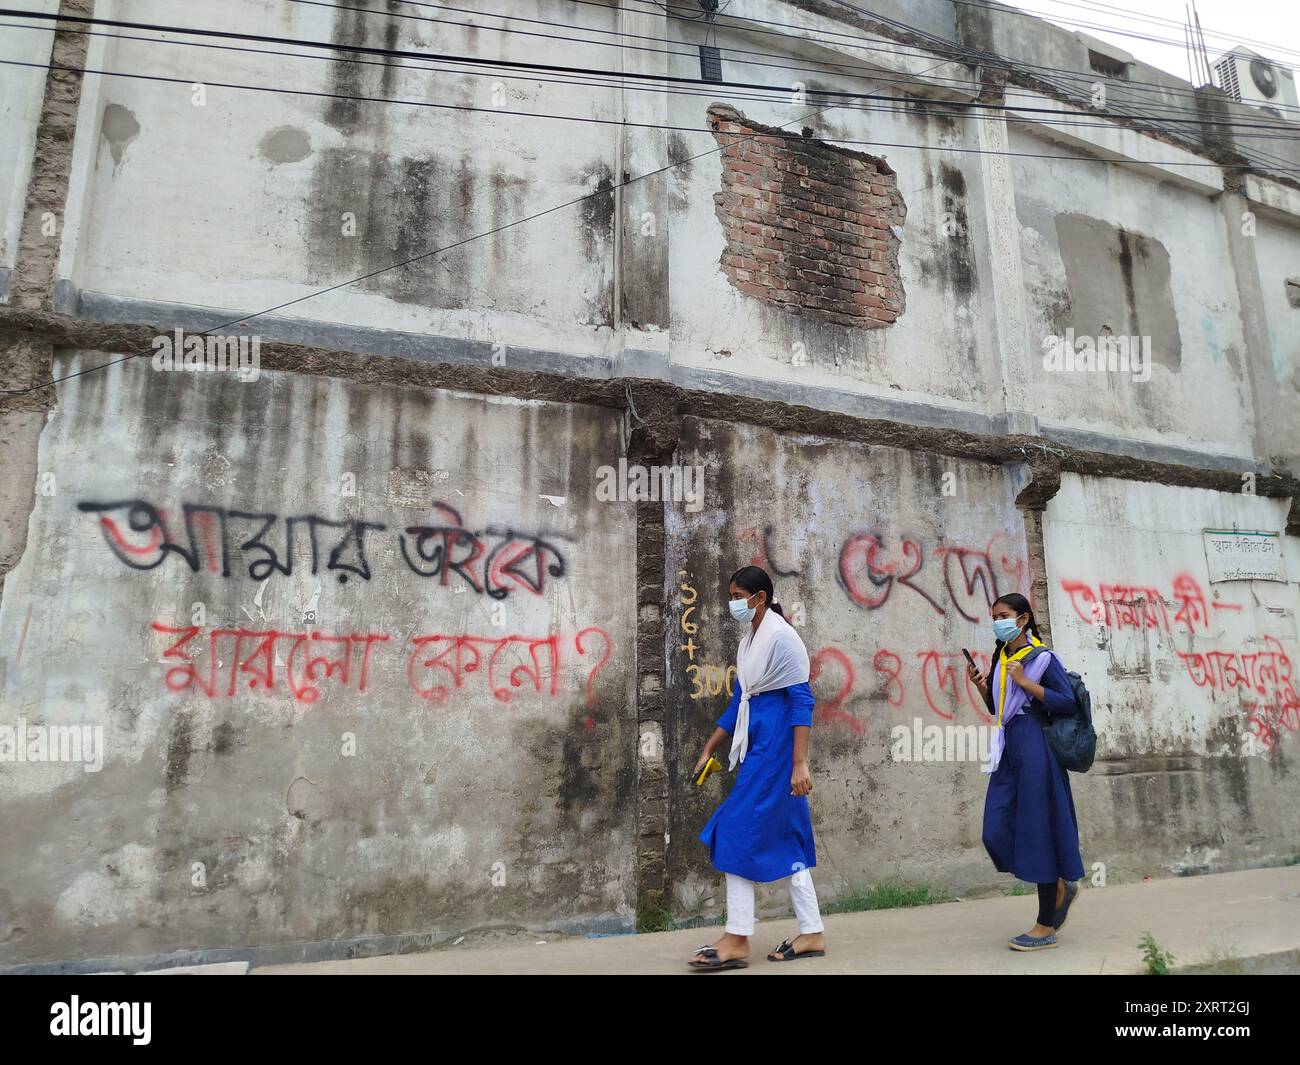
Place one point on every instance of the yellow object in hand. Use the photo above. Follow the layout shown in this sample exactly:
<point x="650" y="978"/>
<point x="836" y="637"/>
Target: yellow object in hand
<point x="710" y="766"/>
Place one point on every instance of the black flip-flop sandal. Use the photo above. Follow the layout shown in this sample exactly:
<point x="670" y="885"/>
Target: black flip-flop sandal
<point x="788" y="953"/>
<point x="715" y="963"/>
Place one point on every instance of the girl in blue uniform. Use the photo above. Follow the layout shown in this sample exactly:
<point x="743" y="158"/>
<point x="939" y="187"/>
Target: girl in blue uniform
<point x="1030" y="828"/>
<point x="763" y="830"/>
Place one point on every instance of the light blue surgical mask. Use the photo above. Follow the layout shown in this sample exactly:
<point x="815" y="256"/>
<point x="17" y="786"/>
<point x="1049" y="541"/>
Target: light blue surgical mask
<point x="740" y="611"/>
<point x="1006" y="629"/>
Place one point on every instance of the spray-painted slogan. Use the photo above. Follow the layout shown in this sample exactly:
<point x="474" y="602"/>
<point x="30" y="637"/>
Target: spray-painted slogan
<point x="222" y="662"/>
<point x="494" y="561"/>
<point x="226" y="661"/>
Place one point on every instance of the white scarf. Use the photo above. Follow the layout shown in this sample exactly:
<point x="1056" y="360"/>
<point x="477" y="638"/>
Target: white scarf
<point x="769" y="658"/>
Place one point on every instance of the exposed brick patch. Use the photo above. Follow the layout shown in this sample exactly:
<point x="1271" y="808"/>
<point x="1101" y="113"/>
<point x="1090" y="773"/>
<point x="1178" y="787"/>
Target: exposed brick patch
<point x="807" y="224"/>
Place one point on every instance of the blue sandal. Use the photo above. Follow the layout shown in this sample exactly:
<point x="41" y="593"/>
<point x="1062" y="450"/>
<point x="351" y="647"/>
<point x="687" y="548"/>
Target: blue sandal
<point x="1028" y="942"/>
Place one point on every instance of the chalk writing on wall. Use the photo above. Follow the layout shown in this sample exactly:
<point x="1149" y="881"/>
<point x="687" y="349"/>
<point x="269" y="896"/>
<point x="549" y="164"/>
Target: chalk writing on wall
<point x="707" y="679"/>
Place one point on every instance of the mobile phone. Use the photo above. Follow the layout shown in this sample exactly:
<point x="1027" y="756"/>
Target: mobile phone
<point x="970" y="660"/>
<point x="711" y="766"/>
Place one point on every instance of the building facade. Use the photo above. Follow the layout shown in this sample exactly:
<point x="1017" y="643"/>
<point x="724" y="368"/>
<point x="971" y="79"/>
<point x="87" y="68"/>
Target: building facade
<point x="405" y="614"/>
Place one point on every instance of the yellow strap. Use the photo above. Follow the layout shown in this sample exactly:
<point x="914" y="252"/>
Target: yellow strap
<point x="1034" y="641"/>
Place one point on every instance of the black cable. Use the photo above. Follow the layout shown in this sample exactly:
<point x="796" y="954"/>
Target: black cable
<point x="549" y="68"/>
<point x="802" y="36"/>
<point x="707" y="91"/>
<point x="966" y="84"/>
<point x="1080" y="158"/>
<point x="1103" y="27"/>
<point x="979" y="55"/>
<point x="733" y="139"/>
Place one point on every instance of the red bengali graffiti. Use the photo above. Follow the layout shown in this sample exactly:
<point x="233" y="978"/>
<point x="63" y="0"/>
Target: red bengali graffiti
<point x="464" y="654"/>
<point x="302" y="670"/>
<point x="972" y="578"/>
<point x="889" y="666"/>
<point x="946" y="681"/>
<point x="305" y="663"/>
<point x="1263" y="681"/>
<point x="945" y="684"/>
<point x="589" y="686"/>
<point x="832" y="708"/>
<point x="1135" y="606"/>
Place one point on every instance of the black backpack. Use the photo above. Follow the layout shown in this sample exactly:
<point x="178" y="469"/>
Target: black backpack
<point x="1071" y="736"/>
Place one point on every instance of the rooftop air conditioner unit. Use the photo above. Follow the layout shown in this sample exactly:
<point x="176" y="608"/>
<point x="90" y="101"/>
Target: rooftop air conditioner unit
<point x="1249" y="78"/>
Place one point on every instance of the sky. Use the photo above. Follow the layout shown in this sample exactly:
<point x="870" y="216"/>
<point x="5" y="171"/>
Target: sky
<point x="1270" y="27"/>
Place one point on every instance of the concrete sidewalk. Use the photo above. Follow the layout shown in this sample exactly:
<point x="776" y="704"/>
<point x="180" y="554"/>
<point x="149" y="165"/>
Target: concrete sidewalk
<point x="1221" y="918"/>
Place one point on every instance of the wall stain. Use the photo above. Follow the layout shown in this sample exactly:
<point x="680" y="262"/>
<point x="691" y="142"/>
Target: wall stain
<point x="119" y="129"/>
<point x="178" y="751"/>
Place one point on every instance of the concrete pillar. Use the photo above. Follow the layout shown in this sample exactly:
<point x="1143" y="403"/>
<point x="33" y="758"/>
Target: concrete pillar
<point x="641" y="245"/>
<point x="654" y="431"/>
<point x="1008" y="284"/>
<point x="25" y="357"/>
<point x="47" y="193"/>
<point x="1259" y="354"/>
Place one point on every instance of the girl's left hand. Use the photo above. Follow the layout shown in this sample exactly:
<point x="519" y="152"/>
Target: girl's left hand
<point x="1016" y="672"/>
<point x="800" y="779"/>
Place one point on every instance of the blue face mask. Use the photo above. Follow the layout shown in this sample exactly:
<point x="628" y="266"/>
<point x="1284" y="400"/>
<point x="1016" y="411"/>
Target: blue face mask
<point x="740" y="611"/>
<point x="1006" y="629"/>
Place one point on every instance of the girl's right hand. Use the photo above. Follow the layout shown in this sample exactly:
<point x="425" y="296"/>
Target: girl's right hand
<point x="699" y="766"/>
<point x="978" y="679"/>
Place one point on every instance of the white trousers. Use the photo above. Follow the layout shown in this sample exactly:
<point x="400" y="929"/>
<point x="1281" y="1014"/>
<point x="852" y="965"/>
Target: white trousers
<point x="740" y="904"/>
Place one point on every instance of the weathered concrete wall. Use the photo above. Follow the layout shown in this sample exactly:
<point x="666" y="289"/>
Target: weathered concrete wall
<point x="1276" y="238"/>
<point x="275" y="197"/>
<point x="301" y="192"/>
<point x="561" y="809"/>
<point x="1194" y="683"/>
<point x="942" y="349"/>
<point x="376" y="742"/>
<point x="1109" y="249"/>
<point x="887" y="562"/>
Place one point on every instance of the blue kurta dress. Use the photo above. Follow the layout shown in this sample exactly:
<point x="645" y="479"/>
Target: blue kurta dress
<point x="1030" y="828"/>
<point x="761" y="831"/>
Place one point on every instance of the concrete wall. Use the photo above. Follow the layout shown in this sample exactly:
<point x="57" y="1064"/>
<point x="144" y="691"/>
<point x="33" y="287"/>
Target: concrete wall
<point x="1276" y="239"/>
<point x="297" y="193"/>
<point x="323" y="800"/>
<point x="887" y="562"/>
<point x="1194" y="682"/>
<point x="1108" y="248"/>
<point x="267" y="198"/>
<point x="489" y="383"/>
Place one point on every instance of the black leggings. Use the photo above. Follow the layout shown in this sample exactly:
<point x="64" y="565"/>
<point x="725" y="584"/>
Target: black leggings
<point x="1047" y="904"/>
